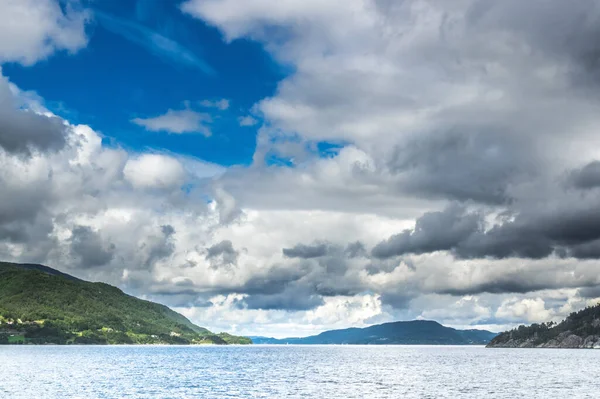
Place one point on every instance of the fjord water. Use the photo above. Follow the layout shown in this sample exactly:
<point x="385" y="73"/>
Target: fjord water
<point x="161" y="372"/>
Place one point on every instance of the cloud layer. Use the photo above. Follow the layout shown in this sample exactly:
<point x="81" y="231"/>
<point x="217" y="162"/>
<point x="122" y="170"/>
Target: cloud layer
<point x="464" y="187"/>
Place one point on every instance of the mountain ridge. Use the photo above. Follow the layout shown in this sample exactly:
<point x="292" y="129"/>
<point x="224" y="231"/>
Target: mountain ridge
<point x="414" y="332"/>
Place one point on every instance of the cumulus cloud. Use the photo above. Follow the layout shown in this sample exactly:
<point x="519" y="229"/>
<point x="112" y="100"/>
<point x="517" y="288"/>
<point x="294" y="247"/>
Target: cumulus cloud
<point x="23" y="130"/>
<point x="435" y="231"/>
<point x="532" y="310"/>
<point x="226" y="205"/>
<point x="355" y="250"/>
<point x="442" y="164"/>
<point x="558" y="227"/>
<point x="31" y="30"/>
<point x="247" y="121"/>
<point x="222" y="254"/>
<point x="177" y="122"/>
<point x="88" y="246"/>
<point x="154" y="171"/>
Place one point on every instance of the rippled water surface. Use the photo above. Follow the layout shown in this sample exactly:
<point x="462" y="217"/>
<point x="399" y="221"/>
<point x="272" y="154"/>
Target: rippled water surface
<point x="89" y="372"/>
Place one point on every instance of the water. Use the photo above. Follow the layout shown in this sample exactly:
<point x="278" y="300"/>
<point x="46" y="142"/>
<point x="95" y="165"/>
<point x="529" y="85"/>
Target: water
<point x="161" y="372"/>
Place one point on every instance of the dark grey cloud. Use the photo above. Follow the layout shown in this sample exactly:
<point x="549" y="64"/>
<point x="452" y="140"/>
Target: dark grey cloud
<point x="183" y="293"/>
<point x="562" y="31"/>
<point x="356" y="250"/>
<point x="334" y="265"/>
<point x="398" y="300"/>
<point x="26" y="218"/>
<point x="475" y="163"/>
<point x="315" y="250"/>
<point x="167" y="230"/>
<point x="26" y="131"/>
<point x="285" y="287"/>
<point x="503" y="241"/>
<point x="588" y="250"/>
<point x="533" y="233"/>
<point x="301" y="285"/>
<point x="276" y="279"/>
<point x="505" y="285"/>
<point x="22" y="130"/>
<point x="522" y="282"/>
<point x="589" y="292"/>
<point x="23" y="207"/>
<point x="33" y="235"/>
<point x="567" y="223"/>
<point x="434" y="231"/>
<point x="294" y="298"/>
<point x="158" y="246"/>
<point x="222" y="254"/>
<point x="183" y="300"/>
<point x="297" y="285"/>
<point x="24" y="231"/>
<point x="376" y="266"/>
<point x="89" y="248"/>
<point x="587" y="177"/>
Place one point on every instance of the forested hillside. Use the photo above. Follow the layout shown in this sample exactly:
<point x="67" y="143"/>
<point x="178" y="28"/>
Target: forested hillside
<point x="579" y="330"/>
<point x="41" y="305"/>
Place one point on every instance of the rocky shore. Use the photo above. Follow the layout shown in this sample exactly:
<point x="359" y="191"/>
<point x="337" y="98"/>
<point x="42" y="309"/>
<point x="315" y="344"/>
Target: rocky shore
<point x="564" y="340"/>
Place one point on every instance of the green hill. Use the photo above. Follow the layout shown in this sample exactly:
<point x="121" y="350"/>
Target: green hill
<point x="579" y="330"/>
<point x="40" y="305"/>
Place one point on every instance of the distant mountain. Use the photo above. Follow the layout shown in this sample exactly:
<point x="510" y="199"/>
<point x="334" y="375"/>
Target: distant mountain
<point x="417" y="332"/>
<point x="256" y="339"/>
<point x="41" y="305"/>
<point x="579" y="330"/>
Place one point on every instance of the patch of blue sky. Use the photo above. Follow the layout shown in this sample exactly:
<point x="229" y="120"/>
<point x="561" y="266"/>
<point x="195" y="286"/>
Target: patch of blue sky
<point x="146" y="57"/>
<point x="327" y="149"/>
<point x="311" y="149"/>
<point x="274" y="159"/>
<point x="152" y="41"/>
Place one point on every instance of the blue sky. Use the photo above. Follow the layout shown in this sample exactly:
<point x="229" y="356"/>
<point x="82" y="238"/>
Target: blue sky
<point x="144" y="58"/>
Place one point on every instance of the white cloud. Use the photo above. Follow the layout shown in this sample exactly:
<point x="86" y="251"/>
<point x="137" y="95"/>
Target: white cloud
<point x="530" y="310"/>
<point x="221" y="104"/>
<point x="31" y="30"/>
<point x="154" y="171"/>
<point x="247" y="120"/>
<point x="177" y="122"/>
<point x="334" y="313"/>
<point x="239" y="18"/>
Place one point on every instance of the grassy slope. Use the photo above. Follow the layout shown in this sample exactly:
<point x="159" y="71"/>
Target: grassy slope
<point x="55" y="308"/>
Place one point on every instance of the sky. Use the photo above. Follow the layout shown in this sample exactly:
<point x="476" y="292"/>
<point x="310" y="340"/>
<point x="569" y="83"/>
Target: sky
<point x="284" y="168"/>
